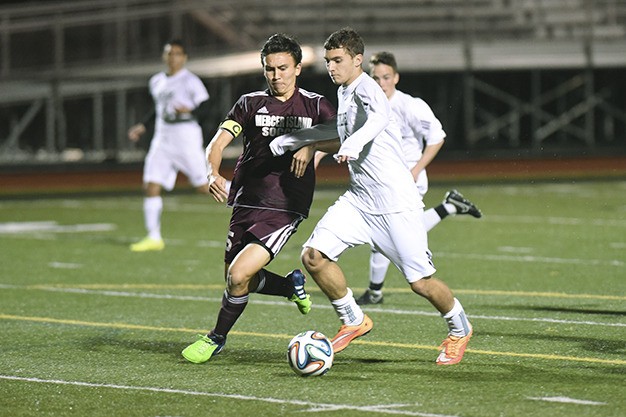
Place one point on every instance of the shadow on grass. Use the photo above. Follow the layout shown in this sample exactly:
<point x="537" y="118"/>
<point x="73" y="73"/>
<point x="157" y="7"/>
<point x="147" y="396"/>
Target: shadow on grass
<point x="578" y="311"/>
<point x="591" y="344"/>
<point x="553" y="309"/>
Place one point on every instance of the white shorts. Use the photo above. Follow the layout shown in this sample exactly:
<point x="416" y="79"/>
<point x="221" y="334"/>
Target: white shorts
<point x="422" y="183"/>
<point x="169" y="155"/>
<point x="401" y="237"/>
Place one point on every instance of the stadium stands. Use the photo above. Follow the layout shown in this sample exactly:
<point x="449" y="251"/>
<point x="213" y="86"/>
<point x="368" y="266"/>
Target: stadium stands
<point x="88" y="56"/>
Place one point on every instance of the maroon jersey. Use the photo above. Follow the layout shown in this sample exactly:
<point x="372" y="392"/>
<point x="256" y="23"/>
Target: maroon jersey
<point x="262" y="180"/>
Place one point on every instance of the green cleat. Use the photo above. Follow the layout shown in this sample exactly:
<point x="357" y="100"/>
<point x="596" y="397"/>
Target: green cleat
<point x="147" y="244"/>
<point x="204" y="348"/>
<point x="304" y="304"/>
<point x="300" y="297"/>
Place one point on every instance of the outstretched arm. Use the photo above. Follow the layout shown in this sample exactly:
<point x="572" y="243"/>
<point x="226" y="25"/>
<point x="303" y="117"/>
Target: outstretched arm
<point x="302" y="137"/>
<point x="303" y="156"/>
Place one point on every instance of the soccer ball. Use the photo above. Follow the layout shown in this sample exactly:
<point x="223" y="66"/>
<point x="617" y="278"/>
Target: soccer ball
<point x="310" y="353"/>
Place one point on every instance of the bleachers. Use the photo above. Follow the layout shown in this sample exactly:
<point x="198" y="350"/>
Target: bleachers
<point x="54" y="35"/>
<point x="96" y="55"/>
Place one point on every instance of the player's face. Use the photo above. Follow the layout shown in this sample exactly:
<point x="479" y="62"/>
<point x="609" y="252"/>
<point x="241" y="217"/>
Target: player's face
<point x="281" y="71"/>
<point x="386" y="78"/>
<point x="174" y="57"/>
<point x="342" y="68"/>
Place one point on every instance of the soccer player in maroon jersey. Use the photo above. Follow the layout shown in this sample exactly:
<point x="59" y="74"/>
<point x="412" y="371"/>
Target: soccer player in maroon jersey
<point x="269" y="201"/>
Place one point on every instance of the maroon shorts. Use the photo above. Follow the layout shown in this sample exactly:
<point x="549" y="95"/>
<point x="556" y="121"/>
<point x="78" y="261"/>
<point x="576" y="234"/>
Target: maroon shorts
<point x="269" y="228"/>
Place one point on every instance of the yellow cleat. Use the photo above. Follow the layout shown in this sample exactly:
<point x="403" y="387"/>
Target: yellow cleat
<point x="148" y="244"/>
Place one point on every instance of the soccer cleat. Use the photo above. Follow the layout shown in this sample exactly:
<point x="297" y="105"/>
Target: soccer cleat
<point x="300" y="297"/>
<point x="204" y="348"/>
<point x="462" y="204"/>
<point x="347" y="334"/>
<point x="370" y="297"/>
<point x="147" y="244"/>
<point x="453" y="348"/>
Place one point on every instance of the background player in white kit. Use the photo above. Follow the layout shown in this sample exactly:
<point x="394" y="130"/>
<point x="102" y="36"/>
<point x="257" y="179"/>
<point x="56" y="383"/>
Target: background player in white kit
<point x="422" y="138"/>
<point x="177" y="144"/>
<point x="381" y="206"/>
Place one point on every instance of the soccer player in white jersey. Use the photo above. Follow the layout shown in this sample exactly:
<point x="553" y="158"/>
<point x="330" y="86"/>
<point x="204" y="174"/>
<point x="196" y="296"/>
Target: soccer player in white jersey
<point x="177" y="144"/>
<point x="422" y="138"/>
<point x="381" y="206"/>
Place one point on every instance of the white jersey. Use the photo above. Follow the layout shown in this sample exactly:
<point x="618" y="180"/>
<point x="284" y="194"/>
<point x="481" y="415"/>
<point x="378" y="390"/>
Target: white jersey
<point x="177" y="144"/>
<point x="420" y="127"/>
<point x="183" y="89"/>
<point x="379" y="179"/>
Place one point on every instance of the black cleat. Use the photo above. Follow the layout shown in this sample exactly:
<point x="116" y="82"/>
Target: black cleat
<point x="369" y="297"/>
<point x="463" y="205"/>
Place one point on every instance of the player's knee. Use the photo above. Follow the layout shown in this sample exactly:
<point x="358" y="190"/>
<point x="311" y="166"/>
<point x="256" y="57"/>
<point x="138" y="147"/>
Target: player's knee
<point x="422" y="286"/>
<point x="237" y="280"/>
<point x="312" y="259"/>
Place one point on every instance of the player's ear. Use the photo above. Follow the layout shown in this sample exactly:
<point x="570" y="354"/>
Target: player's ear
<point x="358" y="60"/>
<point x="298" y="69"/>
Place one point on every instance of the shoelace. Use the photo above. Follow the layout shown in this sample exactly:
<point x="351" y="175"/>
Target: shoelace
<point x="451" y="348"/>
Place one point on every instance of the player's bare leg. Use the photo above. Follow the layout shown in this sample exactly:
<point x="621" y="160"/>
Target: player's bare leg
<point x="326" y="273"/>
<point x="435" y="291"/>
<point x="241" y="277"/>
<point x="460" y="329"/>
<point x="331" y="280"/>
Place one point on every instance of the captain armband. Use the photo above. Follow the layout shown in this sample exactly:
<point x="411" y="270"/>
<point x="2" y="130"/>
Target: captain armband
<point x="231" y="127"/>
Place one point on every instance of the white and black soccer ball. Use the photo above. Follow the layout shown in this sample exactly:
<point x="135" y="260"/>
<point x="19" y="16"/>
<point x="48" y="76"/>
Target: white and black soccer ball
<point x="310" y="353"/>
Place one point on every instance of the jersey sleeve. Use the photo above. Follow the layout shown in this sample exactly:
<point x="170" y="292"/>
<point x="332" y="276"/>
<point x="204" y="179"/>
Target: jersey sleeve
<point x="424" y="122"/>
<point x="198" y="91"/>
<point x="236" y="118"/>
<point x="378" y="113"/>
<point x="327" y="110"/>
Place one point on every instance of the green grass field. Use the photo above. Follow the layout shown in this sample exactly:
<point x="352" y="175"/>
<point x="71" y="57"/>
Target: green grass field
<point x="91" y="329"/>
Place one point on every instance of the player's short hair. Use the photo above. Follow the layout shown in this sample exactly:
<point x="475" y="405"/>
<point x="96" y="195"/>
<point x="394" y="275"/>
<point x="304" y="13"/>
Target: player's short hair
<point x="385" y="58"/>
<point x="177" y="42"/>
<point x="279" y="42"/>
<point x="348" y="39"/>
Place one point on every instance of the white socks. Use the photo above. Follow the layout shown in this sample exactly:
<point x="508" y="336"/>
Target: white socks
<point x="458" y="324"/>
<point x="348" y="310"/>
<point x="431" y="219"/>
<point x="450" y="208"/>
<point x="152" y="208"/>
<point x="378" y="268"/>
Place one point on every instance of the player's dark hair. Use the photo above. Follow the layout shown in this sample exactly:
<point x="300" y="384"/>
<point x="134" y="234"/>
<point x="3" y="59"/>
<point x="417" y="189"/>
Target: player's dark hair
<point x="348" y="39"/>
<point x="177" y="42"/>
<point x="279" y="42"/>
<point x="385" y="58"/>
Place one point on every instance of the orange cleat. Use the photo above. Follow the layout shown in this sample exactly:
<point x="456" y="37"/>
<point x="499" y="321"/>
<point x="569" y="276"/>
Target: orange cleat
<point x="453" y="348"/>
<point x="347" y="334"/>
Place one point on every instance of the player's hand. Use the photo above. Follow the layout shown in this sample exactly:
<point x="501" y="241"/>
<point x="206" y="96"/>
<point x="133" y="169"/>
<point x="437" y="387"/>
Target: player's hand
<point x="218" y="188"/>
<point x="182" y="110"/>
<point x="301" y="159"/>
<point x="341" y="158"/>
<point x="135" y="132"/>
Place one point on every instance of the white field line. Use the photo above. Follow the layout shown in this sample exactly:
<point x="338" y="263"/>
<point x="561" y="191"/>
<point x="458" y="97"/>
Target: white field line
<point x="566" y="400"/>
<point x="173" y="205"/>
<point x="110" y="293"/>
<point x="53" y="227"/>
<point x="219" y="244"/>
<point x="531" y="258"/>
<point x="306" y="405"/>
